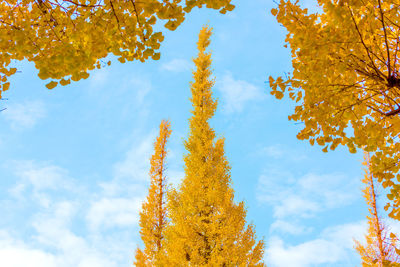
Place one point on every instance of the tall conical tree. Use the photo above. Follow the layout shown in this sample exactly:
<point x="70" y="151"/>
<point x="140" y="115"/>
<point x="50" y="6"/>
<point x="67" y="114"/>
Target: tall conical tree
<point x="207" y="228"/>
<point x="380" y="249"/>
<point x="153" y="217"/>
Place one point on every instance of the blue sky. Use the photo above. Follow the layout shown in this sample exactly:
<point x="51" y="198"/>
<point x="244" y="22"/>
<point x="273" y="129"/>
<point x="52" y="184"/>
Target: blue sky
<point x="75" y="159"/>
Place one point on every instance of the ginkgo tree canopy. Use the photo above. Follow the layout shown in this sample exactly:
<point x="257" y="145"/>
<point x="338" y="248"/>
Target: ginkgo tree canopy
<point x="67" y="38"/>
<point x="345" y="79"/>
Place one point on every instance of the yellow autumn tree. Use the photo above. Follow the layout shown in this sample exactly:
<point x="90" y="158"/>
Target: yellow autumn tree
<point x="67" y="38"/>
<point x="153" y="217"/>
<point x="207" y="228"/>
<point x="345" y="79"/>
<point x="381" y="246"/>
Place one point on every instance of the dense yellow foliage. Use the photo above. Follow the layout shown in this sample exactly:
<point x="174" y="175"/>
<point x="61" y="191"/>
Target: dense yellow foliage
<point x="153" y="217"/>
<point x="67" y="38"/>
<point x="380" y="248"/>
<point x="346" y="81"/>
<point x="207" y="228"/>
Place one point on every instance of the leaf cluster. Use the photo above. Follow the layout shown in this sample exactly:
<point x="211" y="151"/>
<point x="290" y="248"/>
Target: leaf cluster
<point x="67" y="38"/>
<point x="345" y="79"/>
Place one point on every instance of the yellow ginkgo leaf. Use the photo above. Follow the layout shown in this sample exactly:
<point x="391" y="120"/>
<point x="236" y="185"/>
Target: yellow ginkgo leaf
<point x="65" y="82"/>
<point x="6" y="86"/>
<point x="51" y="85"/>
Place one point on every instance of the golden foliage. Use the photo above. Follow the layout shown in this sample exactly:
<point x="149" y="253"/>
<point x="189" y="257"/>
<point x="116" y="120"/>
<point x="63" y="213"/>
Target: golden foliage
<point x="67" y="38"/>
<point x="381" y="246"/>
<point x="346" y="79"/>
<point x="206" y="227"/>
<point x="153" y="217"/>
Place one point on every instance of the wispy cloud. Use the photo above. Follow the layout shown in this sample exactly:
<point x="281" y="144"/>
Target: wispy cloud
<point x="16" y="253"/>
<point x="114" y="212"/>
<point x="38" y="180"/>
<point x="142" y="87"/>
<point x="121" y="199"/>
<point x="176" y="65"/>
<point x="314" y="252"/>
<point x="307" y="195"/>
<point x="237" y="93"/>
<point x="282" y="152"/>
<point x="39" y="176"/>
<point x="53" y="241"/>
<point x="24" y="115"/>
<point x="333" y="245"/>
<point x="135" y="165"/>
<point x="54" y="233"/>
<point x="294" y="201"/>
<point x="289" y="227"/>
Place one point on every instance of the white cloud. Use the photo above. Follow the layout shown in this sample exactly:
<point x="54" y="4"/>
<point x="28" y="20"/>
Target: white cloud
<point x="176" y="65"/>
<point x="53" y="233"/>
<point x="333" y="245"/>
<point x="54" y="243"/>
<point x="334" y="189"/>
<point x="274" y="151"/>
<point x="40" y="176"/>
<point x="15" y="253"/>
<point x="52" y="225"/>
<point x="289" y="228"/>
<point x="114" y="212"/>
<point x="296" y="200"/>
<point x="24" y="115"/>
<point x="345" y="234"/>
<point x="237" y="93"/>
<point x="141" y="86"/>
<point x="66" y="209"/>
<point x="278" y="151"/>
<point x="313" y="252"/>
<point x="296" y="205"/>
<point x="15" y="256"/>
<point x="40" y="179"/>
<point x="307" y="195"/>
<point x="136" y="163"/>
<point x="273" y="181"/>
